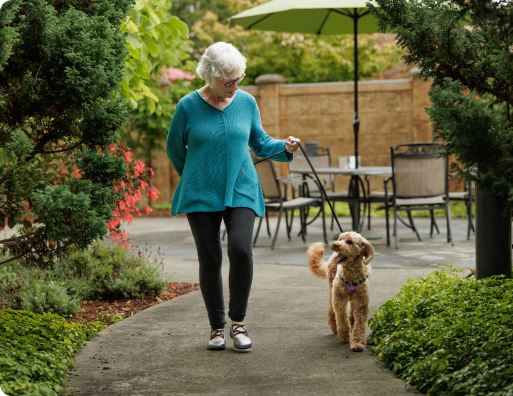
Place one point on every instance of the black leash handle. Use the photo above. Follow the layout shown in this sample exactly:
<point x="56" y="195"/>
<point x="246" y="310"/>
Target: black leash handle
<point x="317" y="177"/>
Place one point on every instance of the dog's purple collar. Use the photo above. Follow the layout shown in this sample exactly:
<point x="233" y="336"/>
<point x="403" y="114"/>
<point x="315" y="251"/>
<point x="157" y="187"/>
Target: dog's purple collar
<point x="351" y="286"/>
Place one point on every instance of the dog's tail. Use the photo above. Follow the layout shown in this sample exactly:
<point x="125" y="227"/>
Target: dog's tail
<point x="317" y="265"/>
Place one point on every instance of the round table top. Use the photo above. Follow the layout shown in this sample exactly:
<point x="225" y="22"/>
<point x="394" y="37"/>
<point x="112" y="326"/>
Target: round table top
<point x="361" y="171"/>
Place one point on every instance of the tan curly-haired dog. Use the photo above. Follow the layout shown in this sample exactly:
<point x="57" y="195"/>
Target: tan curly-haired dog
<point x="348" y="272"/>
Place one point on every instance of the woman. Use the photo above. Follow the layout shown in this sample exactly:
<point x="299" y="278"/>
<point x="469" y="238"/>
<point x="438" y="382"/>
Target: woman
<point x="208" y="145"/>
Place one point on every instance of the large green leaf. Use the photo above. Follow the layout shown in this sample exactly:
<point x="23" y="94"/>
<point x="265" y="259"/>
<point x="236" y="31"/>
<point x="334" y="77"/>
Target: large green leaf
<point x="154" y="49"/>
<point x="151" y="105"/>
<point x="136" y="17"/>
<point x="134" y="40"/>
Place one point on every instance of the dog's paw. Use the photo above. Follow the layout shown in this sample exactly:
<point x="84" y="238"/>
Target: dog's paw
<point x="342" y="339"/>
<point x="357" y="347"/>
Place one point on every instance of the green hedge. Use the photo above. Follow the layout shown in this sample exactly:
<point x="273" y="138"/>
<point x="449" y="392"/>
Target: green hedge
<point x="448" y="335"/>
<point x="36" y="351"/>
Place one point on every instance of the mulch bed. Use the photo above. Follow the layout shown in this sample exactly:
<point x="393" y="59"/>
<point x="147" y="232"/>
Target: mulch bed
<point x="89" y="310"/>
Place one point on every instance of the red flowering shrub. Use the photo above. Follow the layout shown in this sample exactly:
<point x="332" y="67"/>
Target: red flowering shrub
<point x="129" y="192"/>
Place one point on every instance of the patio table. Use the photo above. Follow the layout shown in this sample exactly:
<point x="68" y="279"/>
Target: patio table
<point x="355" y="184"/>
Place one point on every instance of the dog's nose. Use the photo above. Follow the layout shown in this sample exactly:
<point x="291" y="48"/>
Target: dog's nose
<point x="334" y="246"/>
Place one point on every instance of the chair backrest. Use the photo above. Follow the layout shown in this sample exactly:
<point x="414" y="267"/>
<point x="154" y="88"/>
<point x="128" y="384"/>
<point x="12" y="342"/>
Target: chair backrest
<point x="318" y="161"/>
<point x="268" y="178"/>
<point x="419" y="171"/>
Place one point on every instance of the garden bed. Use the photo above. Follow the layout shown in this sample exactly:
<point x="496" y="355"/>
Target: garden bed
<point x="449" y="335"/>
<point x="110" y="311"/>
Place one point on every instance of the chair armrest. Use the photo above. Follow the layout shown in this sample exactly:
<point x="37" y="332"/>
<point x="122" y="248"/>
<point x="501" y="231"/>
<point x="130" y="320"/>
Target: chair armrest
<point x="385" y="184"/>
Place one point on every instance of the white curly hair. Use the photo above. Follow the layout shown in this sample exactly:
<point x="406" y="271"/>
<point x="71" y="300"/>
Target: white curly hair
<point x="220" y="61"/>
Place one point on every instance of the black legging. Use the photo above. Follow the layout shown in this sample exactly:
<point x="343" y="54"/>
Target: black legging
<point x="206" y="228"/>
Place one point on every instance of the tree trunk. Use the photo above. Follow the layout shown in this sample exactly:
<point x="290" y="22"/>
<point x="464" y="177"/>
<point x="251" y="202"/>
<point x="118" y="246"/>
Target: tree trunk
<point x="493" y="236"/>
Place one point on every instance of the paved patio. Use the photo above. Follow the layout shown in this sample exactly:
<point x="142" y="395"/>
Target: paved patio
<point x="175" y="240"/>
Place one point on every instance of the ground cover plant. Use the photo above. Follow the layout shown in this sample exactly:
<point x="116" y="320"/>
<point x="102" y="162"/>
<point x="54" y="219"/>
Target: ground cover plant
<point x="449" y="335"/>
<point x="36" y="351"/>
<point x="102" y="272"/>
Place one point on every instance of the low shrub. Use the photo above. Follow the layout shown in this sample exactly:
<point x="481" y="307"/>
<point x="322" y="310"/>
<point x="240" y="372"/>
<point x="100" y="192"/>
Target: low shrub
<point x="448" y="335"/>
<point x="40" y="296"/>
<point x="36" y="351"/>
<point x="102" y="272"/>
<point x="109" y="272"/>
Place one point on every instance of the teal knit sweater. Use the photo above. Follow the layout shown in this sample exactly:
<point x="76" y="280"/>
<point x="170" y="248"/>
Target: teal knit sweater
<point x="209" y="149"/>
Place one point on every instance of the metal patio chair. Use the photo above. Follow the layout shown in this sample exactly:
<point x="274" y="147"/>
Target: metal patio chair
<point x="276" y="201"/>
<point x="308" y="187"/>
<point x="468" y="196"/>
<point x="421" y="182"/>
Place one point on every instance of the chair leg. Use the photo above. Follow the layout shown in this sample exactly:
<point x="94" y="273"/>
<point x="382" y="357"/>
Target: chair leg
<point x="224" y="234"/>
<point x="287" y="223"/>
<point x="395" y="229"/>
<point x="434" y="221"/>
<point x="469" y="215"/>
<point x="258" y="230"/>
<point x="413" y="225"/>
<point x="449" y="226"/>
<point x="277" y="228"/>
<point x="332" y="215"/>
<point x="387" y="224"/>
<point x="433" y="224"/>
<point x="302" y="221"/>
<point x="368" y="217"/>
<point x="324" y="225"/>
<point x="267" y="221"/>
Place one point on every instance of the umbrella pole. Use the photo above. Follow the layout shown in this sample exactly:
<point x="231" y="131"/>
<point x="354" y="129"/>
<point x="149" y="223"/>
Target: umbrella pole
<point x="356" y="121"/>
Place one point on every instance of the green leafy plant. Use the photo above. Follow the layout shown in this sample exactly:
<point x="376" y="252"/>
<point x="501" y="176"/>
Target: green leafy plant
<point x="36" y="351"/>
<point x="109" y="318"/>
<point x="449" y="335"/>
<point x="154" y="39"/>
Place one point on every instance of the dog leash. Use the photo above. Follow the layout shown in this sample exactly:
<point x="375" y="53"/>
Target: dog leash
<point x="317" y="177"/>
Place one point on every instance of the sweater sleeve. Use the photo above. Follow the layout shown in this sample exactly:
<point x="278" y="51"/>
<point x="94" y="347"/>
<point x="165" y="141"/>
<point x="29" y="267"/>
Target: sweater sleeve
<point x="264" y="145"/>
<point x="176" y="139"/>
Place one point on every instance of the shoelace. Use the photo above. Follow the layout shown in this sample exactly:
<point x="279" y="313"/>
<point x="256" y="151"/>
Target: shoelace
<point x="217" y="333"/>
<point x="236" y="331"/>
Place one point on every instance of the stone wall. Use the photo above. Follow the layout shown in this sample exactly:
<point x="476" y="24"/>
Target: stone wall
<point x="391" y="112"/>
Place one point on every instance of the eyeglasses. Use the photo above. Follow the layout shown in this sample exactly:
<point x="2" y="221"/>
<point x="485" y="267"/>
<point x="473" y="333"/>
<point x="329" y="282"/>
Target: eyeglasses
<point x="237" y="81"/>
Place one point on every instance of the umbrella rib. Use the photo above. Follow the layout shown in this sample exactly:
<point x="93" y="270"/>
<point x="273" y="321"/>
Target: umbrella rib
<point x="347" y="14"/>
<point x="260" y="20"/>
<point x="323" y="22"/>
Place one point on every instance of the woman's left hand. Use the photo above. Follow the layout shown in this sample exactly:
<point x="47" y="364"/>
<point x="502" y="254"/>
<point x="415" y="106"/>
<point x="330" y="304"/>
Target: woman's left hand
<point x="291" y="145"/>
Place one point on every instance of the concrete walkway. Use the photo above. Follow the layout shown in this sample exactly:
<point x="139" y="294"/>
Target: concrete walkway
<point x="162" y="351"/>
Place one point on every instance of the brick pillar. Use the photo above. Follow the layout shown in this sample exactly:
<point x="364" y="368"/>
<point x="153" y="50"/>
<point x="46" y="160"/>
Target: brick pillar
<point x="269" y="105"/>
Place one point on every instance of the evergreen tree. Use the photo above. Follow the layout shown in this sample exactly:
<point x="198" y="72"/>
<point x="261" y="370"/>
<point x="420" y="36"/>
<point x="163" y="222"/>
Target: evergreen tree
<point x="465" y="47"/>
<point x="61" y="63"/>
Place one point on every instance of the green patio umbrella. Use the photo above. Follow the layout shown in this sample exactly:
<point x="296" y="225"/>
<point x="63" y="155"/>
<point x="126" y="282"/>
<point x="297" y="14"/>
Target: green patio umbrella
<point x="316" y="17"/>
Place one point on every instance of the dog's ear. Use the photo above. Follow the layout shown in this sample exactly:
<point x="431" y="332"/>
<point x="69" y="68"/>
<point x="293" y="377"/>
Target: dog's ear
<point x="367" y="250"/>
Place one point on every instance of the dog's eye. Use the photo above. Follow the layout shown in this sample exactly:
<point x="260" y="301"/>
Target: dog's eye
<point x="349" y="242"/>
